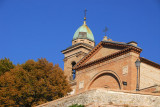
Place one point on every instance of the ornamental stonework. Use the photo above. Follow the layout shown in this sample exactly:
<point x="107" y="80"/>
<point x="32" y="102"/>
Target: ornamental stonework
<point x="81" y="84"/>
<point x="125" y="70"/>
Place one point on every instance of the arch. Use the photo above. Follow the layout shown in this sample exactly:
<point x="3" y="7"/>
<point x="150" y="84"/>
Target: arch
<point x="103" y="75"/>
<point x="73" y="71"/>
<point x="73" y="63"/>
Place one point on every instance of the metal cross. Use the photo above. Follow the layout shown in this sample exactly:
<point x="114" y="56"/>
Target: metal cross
<point x="105" y="30"/>
<point x="85" y="11"/>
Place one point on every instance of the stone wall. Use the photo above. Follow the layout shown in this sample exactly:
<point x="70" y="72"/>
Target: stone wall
<point x="102" y="97"/>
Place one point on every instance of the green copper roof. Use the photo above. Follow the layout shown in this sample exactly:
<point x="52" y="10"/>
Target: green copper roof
<point x="83" y="32"/>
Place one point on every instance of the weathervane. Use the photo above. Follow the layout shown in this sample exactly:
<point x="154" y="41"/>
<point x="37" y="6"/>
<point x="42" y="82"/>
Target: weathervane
<point x="105" y="30"/>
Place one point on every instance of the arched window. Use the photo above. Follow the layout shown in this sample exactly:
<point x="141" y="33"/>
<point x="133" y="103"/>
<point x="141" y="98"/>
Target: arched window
<point x="73" y="71"/>
<point x="73" y="63"/>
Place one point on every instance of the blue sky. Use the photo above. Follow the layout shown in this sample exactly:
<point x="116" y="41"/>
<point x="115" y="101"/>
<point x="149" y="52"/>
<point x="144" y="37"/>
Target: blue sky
<point x="31" y="29"/>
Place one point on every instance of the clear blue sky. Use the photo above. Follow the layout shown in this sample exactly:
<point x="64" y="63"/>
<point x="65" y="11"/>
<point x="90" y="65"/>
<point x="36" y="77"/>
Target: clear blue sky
<point x="31" y="29"/>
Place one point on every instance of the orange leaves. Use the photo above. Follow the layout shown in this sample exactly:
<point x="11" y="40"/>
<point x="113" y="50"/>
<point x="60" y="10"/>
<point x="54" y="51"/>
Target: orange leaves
<point x="32" y="83"/>
<point x="5" y="65"/>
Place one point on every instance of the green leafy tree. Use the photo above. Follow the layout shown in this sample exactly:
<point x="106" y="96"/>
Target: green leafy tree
<point x="5" y="65"/>
<point x="32" y="83"/>
<point x="76" y="105"/>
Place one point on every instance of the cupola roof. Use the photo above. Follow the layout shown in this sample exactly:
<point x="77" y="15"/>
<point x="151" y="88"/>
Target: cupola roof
<point x="83" y="32"/>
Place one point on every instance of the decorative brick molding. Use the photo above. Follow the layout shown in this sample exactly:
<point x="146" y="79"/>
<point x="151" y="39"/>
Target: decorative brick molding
<point x="125" y="49"/>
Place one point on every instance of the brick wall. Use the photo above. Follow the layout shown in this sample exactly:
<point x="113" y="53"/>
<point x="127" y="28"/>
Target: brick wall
<point x="111" y="74"/>
<point x="149" y="76"/>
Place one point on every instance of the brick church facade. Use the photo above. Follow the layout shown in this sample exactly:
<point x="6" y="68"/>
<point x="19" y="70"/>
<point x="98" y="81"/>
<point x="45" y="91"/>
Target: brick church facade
<point x="109" y="65"/>
<point x="109" y="74"/>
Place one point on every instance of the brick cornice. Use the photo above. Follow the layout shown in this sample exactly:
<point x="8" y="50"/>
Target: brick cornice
<point x="84" y="59"/>
<point x="76" y="46"/>
<point x="76" y="54"/>
<point x="114" y="55"/>
<point x="150" y="62"/>
<point x="118" y="45"/>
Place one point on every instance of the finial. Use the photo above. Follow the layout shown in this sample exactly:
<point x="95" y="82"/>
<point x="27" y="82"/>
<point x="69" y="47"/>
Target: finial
<point x="105" y="38"/>
<point x="85" y="11"/>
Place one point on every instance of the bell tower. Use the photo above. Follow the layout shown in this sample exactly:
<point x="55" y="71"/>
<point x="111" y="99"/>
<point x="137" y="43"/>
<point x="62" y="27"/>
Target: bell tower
<point x="82" y="43"/>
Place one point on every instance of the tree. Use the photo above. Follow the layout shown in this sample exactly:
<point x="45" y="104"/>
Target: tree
<point x="5" y="65"/>
<point x="33" y="83"/>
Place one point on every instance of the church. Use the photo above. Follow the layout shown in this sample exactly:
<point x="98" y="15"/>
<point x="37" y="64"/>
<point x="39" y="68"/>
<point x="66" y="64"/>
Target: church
<point x="109" y="73"/>
<point x="110" y="64"/>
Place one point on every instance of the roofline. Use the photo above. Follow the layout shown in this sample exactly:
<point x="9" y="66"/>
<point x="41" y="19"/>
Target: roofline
<point x="149" y="62"/>
<point x="111" y="43"/>
<point x="121" y="43"/>
<point x="74" y="54"/>
<point x="108" y="57"/>
<point x="77" y="45"/>
<point x="132" y="42"/>
<point x="85" y="57"/>
<point x="83" y="38"/>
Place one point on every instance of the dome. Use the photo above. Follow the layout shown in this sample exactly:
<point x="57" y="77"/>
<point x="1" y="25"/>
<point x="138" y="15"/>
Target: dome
<point x="83" y="32"/>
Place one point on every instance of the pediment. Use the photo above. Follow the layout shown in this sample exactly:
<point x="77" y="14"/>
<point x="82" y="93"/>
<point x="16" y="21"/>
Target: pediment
<point x="104" y="49"/>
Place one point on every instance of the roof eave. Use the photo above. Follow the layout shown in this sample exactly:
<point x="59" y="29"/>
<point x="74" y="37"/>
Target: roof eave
<point x="108" y="57"/>
<point x="77" y="45"/>
<point x="149" y="62"/>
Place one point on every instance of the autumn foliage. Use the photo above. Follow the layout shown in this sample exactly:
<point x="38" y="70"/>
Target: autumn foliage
<point x="32" y="83"/>
<point x="5" y="65"/>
